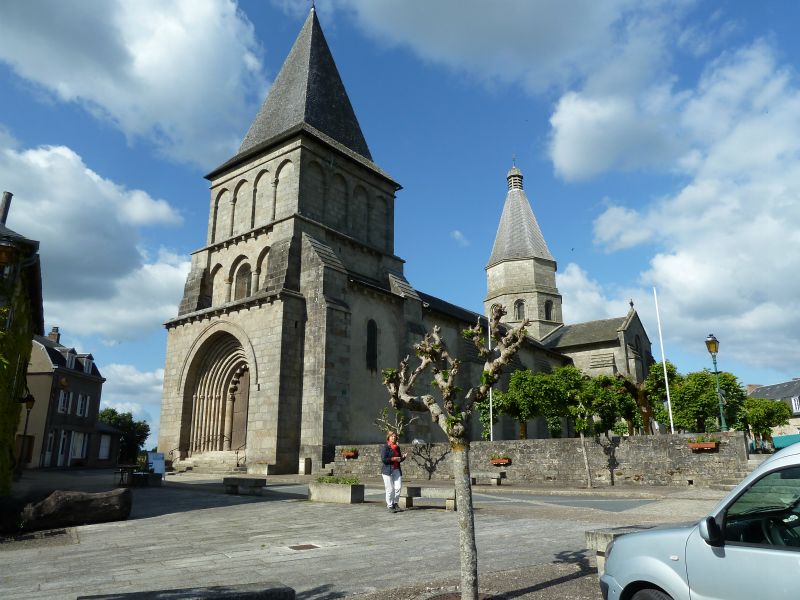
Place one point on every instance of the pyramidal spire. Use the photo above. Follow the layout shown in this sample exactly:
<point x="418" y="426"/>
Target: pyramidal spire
<point x="518" y="235"/>
<point x="308" y="90"/>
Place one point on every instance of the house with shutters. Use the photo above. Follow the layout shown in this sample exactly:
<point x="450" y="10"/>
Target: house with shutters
<point x="62" y="425"/>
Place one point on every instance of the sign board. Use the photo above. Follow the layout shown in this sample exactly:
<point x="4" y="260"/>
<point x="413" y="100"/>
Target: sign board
<point x="155" y="462"/>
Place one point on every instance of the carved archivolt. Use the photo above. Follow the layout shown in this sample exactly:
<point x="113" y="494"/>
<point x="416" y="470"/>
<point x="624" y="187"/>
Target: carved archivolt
<point x="221" y="365"/>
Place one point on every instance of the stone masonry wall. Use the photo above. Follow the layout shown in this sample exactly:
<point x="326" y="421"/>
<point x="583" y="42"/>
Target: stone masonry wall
<point x="642" y="460"/>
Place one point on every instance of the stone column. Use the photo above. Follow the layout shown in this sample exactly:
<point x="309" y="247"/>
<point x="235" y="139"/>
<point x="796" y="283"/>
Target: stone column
<point x="228" y="287"/>
<point x="228" y="435"/>
<point x="274" y="198"/>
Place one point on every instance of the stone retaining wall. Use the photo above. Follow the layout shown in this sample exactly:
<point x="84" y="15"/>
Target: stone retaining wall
<point x="645" y="460"/>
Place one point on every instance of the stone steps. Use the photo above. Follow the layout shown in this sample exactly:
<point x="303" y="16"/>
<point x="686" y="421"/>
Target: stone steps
<point x="212" y="463"/>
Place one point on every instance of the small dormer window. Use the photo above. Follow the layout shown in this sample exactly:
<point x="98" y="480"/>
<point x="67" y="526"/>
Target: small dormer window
<point x="70" y="360"/>
<point x="87" y="365"/>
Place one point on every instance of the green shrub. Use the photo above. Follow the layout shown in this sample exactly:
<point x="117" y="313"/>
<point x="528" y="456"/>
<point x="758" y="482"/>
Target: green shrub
<point x="338" y="480"/>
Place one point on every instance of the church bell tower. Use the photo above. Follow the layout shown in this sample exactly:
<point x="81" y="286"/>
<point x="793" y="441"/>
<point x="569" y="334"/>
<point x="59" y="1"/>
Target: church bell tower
<point x="521" y="273"/>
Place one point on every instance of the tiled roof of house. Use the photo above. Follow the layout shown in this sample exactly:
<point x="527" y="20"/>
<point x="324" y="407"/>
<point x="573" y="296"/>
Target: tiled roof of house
<point x="57" y="353"/>
<point x="778" y="391"/>
<point x="580" y="334"/>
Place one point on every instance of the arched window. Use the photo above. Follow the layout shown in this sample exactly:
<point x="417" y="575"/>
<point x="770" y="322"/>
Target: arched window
<point x="519" y="310"/>
<point x="548" y="310"/>
<point x="372" y="345"/>
<point x="243" y="279"/>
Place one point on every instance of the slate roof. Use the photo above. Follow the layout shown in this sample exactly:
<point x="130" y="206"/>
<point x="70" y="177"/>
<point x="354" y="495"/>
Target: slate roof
<point x="10" y="234"/>
<point x="308" y="89"/>
<point x="518" y="235"/>
<point x="103" y="427"/>
<point x="591" y="332"/>
<point x="57" y="354"/>
<point x="778" y="391"/>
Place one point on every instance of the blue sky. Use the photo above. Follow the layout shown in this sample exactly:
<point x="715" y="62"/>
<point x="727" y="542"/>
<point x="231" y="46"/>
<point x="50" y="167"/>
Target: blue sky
<point x="659" y="143"/>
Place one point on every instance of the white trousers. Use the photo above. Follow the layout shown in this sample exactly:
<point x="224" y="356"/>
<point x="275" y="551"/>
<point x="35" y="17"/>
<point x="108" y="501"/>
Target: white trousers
<point x="392" y="485"/>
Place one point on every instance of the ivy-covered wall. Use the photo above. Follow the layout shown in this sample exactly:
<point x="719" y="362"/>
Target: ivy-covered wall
<point x="15" y="352"/>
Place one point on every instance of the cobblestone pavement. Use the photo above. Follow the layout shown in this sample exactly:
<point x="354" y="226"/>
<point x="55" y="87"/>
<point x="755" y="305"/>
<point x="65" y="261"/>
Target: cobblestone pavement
<point x="189" y="533"/>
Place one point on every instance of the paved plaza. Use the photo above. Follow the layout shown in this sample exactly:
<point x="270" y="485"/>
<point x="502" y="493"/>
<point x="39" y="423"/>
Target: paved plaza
<point x="189" y="533"/>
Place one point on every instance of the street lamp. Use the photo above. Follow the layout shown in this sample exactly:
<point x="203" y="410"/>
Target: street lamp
<point x="712" y="343"/>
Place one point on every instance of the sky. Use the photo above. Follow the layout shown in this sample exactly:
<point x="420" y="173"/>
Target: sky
<point x="659" y="141"/>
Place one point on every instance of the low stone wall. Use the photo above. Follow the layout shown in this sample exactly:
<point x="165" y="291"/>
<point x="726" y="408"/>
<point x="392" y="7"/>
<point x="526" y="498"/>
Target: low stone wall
<point x="645" y="460"/>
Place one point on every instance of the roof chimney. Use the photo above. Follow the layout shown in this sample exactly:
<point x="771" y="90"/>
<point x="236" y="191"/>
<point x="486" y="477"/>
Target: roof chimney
<point x="5" y="204"/>
<point x="54" y="335"/>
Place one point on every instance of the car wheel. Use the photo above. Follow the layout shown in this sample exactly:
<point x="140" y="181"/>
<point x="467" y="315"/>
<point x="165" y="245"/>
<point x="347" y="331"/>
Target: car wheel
<point x="651" y="594"/>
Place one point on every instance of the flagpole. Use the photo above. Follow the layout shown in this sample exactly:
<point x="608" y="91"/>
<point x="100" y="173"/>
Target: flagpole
<point x="663" y="362"/>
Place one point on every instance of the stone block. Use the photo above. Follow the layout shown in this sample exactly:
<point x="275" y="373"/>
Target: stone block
<point x="336" y="493"/>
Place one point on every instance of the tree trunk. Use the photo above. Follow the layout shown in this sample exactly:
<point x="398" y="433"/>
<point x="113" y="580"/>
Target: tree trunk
<point x="523" y="430"/>
<point x="468" y="552"/>
<point x="586" y="462"/>
<point x="66" y="509"/>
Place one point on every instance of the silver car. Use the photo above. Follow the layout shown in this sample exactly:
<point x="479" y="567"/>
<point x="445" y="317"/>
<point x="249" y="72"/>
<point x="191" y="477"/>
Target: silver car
<point x="748" y="548"/>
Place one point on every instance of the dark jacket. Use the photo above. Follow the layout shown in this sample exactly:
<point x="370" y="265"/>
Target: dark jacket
<point x="386" y="459"/>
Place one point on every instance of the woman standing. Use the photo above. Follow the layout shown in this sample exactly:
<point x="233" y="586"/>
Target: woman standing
<point x="391" y="457"/>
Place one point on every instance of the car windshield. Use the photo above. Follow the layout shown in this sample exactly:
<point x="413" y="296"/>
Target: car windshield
<point x="777" y="491"/>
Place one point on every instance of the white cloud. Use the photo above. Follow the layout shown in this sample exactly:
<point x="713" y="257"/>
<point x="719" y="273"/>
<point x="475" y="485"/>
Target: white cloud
<point x="139" y="302"/>
<point x="593" y="134"/>
<point x="543" y="44"/>
<point x="583" y="298"/>
<point x="96" y="279"/>
<point x="128" y="389"/>
<point x="727" y="261"/>
<point x="460" y="238"/>
<point x="185" y="75"/>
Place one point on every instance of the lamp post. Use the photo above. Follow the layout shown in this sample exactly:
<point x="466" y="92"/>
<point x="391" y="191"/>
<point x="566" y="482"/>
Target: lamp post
<point x="712" y="343"/>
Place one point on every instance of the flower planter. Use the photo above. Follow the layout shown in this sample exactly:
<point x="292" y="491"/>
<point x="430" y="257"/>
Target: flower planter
<point x="703" y="446"/>
<point x="499" y="462"/>
<point x="338" y="493"/>
<point x="349" y="454"/>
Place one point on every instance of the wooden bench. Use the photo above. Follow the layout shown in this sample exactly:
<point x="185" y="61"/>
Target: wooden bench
<point x="493" y="477"/>
<point x="244" y="486"/>
<point x="408" y="493"/>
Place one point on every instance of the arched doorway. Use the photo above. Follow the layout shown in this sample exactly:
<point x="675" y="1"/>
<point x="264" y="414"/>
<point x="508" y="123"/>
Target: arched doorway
<point x="216" y="397"/>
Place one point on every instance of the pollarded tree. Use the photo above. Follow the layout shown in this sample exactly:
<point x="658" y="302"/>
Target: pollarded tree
<point x="764" y="414"/>
<point x="453" y="411"/>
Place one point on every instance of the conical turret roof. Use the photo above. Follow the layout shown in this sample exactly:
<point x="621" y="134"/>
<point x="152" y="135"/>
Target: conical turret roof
<point x="518" y="235"/>
<point x="308" y="90"/>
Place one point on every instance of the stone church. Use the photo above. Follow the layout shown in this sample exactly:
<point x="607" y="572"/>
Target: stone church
<point x="297" y="301"/>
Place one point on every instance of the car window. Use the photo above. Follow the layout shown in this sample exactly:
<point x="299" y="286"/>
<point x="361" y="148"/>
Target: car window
<point x="767" y="513"/>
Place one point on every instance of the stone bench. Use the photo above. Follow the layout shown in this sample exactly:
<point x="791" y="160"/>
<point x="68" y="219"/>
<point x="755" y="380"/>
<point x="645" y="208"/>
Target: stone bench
<point x="598" y="539"/>
<point x="493" y="477"/>
<point x="408" y="493"/>
<point x="244" y="486"/>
